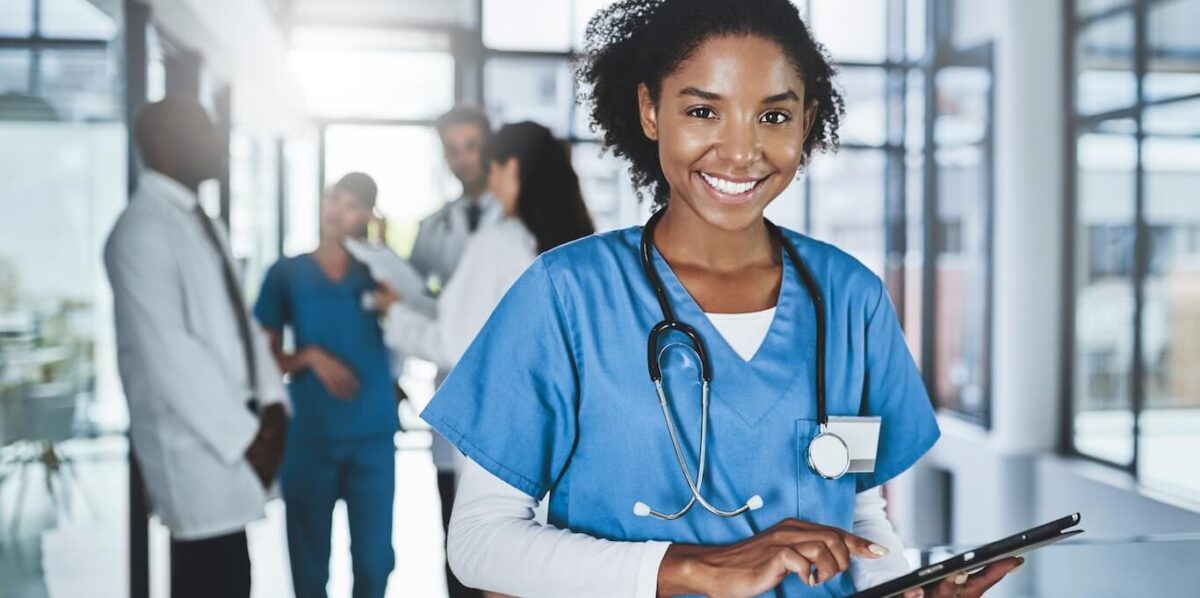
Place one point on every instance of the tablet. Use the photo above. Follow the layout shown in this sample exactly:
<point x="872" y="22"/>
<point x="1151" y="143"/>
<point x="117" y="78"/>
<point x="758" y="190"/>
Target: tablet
<point x="1015" y="545"/>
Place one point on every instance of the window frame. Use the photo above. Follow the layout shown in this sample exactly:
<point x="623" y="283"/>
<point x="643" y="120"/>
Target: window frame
<point x="939" y="54"/>
<point x="1075" y="125"/>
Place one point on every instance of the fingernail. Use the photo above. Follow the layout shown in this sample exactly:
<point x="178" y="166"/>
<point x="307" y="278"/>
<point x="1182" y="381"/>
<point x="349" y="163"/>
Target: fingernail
<point x="812" y="579"/>
<point x="879" y="550"/>
<point x="961" y="579"/>
<point x="1020" y="561"/>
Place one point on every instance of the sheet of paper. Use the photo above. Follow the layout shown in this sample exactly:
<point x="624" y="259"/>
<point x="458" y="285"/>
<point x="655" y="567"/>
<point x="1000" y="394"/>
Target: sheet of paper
<point x="394" y="271"/>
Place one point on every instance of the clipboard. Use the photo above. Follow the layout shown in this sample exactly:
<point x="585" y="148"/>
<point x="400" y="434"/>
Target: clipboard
<point x="1014" y="545"/>
<point x="396" y="272"/>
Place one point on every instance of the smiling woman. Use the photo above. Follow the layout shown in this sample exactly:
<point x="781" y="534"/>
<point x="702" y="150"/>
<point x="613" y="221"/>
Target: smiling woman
<point x="717" y="105"/>
<point x="621" y="61"/>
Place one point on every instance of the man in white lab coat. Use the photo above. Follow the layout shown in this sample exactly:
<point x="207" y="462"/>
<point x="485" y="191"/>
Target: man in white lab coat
<point x="206" y="402"/>
<point x="439" y="245"/>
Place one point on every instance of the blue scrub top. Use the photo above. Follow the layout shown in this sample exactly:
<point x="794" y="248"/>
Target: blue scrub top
<point x="326" y="314"/>
<point x="554" y="396"/>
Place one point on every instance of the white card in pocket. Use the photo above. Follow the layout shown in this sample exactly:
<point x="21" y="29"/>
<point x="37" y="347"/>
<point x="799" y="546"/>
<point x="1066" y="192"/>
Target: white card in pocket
<point x="861" y="435"/>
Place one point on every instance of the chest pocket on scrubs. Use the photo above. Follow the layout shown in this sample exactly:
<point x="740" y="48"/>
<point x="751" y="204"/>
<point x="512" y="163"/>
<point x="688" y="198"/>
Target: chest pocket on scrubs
<point x="827" y="502"/>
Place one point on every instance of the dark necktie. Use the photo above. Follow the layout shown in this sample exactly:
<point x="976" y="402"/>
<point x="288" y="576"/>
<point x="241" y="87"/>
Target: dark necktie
<point x="474" y="213"/>
<point x="235" y="301"/>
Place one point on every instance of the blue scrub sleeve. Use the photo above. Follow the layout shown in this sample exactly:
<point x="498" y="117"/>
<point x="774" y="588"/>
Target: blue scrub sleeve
<point x="895" y="391"/>
<point x="510" y="403"/>
<point x="271" y="309"/>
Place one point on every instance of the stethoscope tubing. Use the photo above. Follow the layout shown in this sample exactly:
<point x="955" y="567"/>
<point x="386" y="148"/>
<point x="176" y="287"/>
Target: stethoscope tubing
<point x="670" y="323"/>
<point x="696" y="344"/>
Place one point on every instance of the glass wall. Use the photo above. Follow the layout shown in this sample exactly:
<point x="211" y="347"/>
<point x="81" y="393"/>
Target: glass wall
<point x="63" y="453"/>
<point x="254" y="218"/>
<point x="370" y="121"/>
<point x="529" y="77"/>
<point x="1135" y="394"/>
<point x="916" y="144"/>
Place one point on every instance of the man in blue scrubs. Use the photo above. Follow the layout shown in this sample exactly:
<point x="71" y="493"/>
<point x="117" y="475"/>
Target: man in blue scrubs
<point x="342" y="442"/>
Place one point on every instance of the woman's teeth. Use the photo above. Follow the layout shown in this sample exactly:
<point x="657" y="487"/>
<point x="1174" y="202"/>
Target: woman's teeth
<point x="728" y="187"/>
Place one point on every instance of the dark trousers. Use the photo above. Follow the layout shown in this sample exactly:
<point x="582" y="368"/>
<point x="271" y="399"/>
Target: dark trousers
<point x="446" y="486"/>
<point x="211" y="567"/>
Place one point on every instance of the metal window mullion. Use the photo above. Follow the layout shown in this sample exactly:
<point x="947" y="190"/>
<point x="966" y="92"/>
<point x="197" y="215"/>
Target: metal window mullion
<point x="929" y="202"/>
<point x="281" y="203"/>
<point x="35" y="53"/>
<point x="989" y="210"/>
<point x="1066" y="440"/>
<point x="808" y="186"/>
<point x="1141" y="238"/>
<point x="895" y="182"/>
<point x="478" y="55"/>
<point x="223" y="107"/>
<point x="136" y="18"/>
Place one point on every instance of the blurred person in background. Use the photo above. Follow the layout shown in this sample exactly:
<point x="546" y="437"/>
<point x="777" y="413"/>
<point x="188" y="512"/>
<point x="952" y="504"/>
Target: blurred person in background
<point x="206" y="403"/>
<point x="439" y="245"/>
<point x="531" y="177"/>
<point x="343" y="392"/>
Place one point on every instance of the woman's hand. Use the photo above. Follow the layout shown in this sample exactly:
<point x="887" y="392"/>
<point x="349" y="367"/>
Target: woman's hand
<point x="814" y="552"/>
<point x="973" y="586"/>
<point x="333" y="374"/>
<point x="385" y="297"/>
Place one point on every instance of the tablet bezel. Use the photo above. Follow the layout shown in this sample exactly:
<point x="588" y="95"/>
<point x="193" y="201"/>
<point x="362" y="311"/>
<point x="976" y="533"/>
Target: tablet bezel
<point x="1014" y="545"/>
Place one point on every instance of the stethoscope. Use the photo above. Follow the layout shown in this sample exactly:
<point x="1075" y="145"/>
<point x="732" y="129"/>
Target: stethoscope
<point x="828" y="454"/>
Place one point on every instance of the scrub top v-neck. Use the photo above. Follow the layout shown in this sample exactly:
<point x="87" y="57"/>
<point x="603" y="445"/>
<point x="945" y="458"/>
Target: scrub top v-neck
<point x="327" y="313"/>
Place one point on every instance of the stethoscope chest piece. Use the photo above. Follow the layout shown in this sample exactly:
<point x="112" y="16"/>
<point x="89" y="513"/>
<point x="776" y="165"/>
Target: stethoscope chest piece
<point x="828" y="455"/>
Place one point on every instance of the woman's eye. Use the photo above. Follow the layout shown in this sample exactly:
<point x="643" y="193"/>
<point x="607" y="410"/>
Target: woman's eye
<point x="702" y="112"/>
<point x="775" y="118"/>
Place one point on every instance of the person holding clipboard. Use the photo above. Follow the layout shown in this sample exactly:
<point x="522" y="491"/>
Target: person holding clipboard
<point x="709" y="402"/>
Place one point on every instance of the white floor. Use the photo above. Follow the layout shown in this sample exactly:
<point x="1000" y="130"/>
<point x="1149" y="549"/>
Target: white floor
<point x="86" y="552"/>
<point x="416" y="536"/>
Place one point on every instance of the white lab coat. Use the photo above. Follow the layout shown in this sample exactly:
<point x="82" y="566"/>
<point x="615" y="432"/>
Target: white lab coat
<point x="439" y="246"/>
<point x="443" y="235"/>
<point x="182" y="366"/>
<point x="493" y="260"/>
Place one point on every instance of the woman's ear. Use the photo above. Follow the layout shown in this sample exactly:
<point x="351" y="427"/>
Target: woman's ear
<point x="810" y="117"/>
<point x="647" y="112"/>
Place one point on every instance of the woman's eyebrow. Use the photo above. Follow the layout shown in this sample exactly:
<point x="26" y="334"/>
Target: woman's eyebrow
<point x="713" y="97"/>
<point x="700" y="93"/>
<point x="782" y="97"/>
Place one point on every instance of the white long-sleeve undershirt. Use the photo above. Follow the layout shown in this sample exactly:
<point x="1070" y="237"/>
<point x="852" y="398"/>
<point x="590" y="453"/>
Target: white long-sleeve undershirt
<point x="497" y="544"/>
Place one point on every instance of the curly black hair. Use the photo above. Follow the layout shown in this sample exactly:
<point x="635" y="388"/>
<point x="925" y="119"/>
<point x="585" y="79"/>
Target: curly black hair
<point x="642" y="41"/>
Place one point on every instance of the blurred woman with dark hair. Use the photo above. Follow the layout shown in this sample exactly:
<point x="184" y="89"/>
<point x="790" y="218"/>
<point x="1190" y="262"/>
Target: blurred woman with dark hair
<point x="530" y="174"/>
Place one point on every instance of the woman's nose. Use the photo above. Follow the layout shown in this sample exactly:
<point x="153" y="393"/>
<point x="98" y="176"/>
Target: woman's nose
<point x="739" y="145"/>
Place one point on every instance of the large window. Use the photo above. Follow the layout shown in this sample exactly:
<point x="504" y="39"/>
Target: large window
<point x="369" y="120"/>
<point x="1135" y="251"/>
<point x="916" y="148"/>
<point x="63" y="453"/>
<point x="254" y="218"/>
<point x="527" y="75"/>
